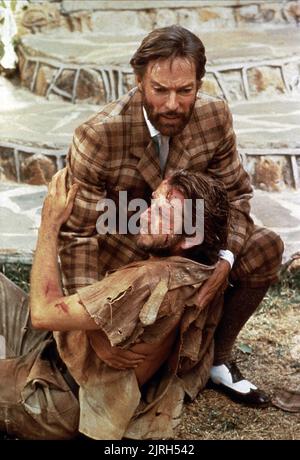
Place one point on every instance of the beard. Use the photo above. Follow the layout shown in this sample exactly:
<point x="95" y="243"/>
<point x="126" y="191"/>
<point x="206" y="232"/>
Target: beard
<point x="159" y="245"/>
<point x="161" y="124"/>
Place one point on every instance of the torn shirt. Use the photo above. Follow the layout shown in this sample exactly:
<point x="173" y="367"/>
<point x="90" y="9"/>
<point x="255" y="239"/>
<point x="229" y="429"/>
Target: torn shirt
<point x="142" y="301"/>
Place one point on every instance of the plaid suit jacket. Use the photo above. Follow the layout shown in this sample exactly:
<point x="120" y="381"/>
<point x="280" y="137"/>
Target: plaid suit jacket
<point x="113" y="152"/>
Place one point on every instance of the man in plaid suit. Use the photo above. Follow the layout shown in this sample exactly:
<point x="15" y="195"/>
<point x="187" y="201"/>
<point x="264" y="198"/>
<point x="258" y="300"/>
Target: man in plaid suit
<point x="162" y="125"/>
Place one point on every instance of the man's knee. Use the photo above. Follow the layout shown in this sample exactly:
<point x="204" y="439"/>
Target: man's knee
<point x="261" y="257"/>
<point x="274" y="247"/>
<point x="278" y="246"/>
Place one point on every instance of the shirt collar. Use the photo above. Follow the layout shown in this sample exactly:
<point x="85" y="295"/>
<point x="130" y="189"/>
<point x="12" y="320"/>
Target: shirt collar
<point x="153" y="131"/>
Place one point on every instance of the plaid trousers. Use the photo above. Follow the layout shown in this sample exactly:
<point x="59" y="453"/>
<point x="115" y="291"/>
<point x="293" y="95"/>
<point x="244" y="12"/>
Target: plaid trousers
<point x="259" y="261"/>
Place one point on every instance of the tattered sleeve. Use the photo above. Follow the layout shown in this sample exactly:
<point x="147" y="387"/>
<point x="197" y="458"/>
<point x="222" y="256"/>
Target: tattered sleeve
<point x="115" y="303"/>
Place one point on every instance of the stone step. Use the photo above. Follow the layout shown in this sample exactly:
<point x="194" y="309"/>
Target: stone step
<point x="94" y="67"/>
<point x="141" y="16"/>
<point x="35" y="133"/>
<point x="268" y="137"/>
<point x="34" y="146"/>
<point x="20" y="211"/>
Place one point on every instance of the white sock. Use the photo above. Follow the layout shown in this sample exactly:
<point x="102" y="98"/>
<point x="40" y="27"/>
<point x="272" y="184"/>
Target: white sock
<point x="221" y="374"/>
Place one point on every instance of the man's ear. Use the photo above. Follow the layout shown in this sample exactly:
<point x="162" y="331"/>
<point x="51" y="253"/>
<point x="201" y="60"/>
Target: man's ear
<point x="188" y="243"/>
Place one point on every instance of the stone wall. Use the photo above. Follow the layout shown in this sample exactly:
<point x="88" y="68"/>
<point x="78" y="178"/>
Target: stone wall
<point x="104" y="22"/>
<point x="272" y="173"/>
<point x="28" y="168"/>
<point x="140" y="17"/>
<point x="100" y="84"/>
<point x="268" y="172"/>
<point x="246" y="77"/>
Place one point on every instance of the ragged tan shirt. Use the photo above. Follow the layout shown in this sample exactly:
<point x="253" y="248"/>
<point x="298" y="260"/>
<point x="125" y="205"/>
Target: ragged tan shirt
<point x="142" y="301"/>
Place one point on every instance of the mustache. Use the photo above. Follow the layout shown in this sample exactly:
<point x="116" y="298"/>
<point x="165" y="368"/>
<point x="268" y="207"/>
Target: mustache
<point x="172" y="113"/>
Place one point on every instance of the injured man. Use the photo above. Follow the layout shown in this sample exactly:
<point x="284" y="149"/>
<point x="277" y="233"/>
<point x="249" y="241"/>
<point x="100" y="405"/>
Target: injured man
<point x="127" y="349"/>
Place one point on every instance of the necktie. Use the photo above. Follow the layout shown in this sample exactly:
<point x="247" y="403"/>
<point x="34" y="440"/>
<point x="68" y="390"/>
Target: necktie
<point x="162" y="147"/>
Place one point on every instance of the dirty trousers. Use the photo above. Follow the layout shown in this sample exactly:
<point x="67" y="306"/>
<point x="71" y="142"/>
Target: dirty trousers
<point x="35" y="400"/>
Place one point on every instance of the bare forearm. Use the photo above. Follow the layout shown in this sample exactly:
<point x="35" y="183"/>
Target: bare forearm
<point x="49" y="308"/>
<point x="45" y="275"/>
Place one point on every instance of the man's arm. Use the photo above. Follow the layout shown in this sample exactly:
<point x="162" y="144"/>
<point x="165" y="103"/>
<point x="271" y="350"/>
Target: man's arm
<point x="49" y="309"/>
<point x="78" y="239"/>
<point x="227" y="167"/>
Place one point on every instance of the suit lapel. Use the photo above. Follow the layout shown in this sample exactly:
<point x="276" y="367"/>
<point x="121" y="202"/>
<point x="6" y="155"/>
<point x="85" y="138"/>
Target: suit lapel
<point x="149" y="166"/>
<point x="142" y="146"/>
<point x="179" y="156"/>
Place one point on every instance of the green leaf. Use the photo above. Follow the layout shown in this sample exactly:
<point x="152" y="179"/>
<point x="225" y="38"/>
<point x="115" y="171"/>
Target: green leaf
<point x="2" y="4"/>
<point x="245" y="348"/>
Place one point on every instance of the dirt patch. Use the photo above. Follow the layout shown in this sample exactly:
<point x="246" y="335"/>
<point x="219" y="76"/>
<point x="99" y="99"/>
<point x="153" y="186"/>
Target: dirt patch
<point x="271" y="364"/>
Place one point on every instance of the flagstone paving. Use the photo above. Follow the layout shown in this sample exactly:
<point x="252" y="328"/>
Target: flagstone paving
<point x="30" y="120"/>
<point x="111" y="48"/>
<point x="27" y="119"/>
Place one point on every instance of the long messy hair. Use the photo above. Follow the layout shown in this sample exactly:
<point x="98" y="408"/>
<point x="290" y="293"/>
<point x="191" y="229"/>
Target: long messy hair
<point x="195" y="185"/>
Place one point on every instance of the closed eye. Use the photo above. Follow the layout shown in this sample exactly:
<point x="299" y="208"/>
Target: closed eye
<point x="160" y="90"/>
<point x="185" y="90"/>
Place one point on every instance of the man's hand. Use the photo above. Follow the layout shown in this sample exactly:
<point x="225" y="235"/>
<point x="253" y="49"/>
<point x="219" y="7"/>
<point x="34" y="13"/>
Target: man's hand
<point x="113" y="356"/>
<point x="217" y="282"/>
<point x="58" y="203"/>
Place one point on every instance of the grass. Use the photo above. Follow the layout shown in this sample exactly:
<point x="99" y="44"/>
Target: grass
<point x="284" y="293"/>
<point x="18" y="273"/>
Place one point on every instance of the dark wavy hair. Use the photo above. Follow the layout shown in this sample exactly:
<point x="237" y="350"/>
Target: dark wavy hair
<point x="170" y="42"/>
<point x="195" y="185"/>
